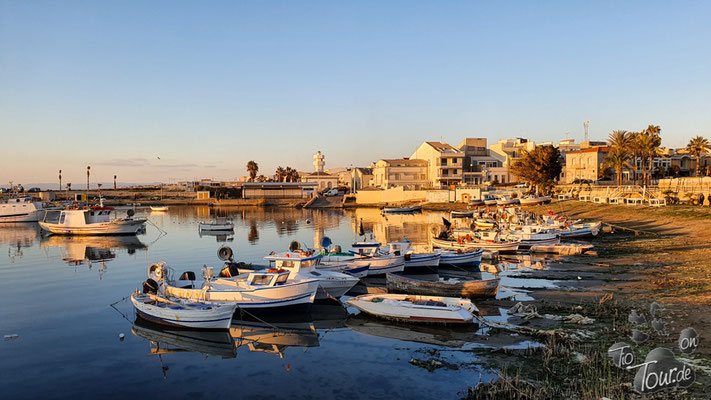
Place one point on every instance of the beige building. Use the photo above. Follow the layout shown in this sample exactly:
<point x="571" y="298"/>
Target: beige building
<point x="479" y="167"/>
<point x="585" y="164"/>
<point x="405" y="172"/>
<point x="445" y="163"/>
<point x="507" y="151"/>
<point x="360" y="178"/>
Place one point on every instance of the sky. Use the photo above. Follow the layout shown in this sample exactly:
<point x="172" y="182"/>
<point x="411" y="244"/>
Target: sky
<point x="172" y="90"/>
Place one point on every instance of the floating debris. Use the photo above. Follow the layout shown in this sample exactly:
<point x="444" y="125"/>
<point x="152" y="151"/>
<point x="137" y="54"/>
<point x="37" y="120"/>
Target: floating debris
<point x="11" y="337"/>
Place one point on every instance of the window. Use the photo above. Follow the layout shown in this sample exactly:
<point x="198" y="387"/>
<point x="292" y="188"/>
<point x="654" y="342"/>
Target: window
<point x="281" y="279"/>
<point x="444" y="161"/>
<point x="263" y="280"/>
<point x="61" y="218"/>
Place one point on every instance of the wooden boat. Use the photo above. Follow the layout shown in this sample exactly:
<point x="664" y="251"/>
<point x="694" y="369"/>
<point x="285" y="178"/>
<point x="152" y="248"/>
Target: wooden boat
<point x="443" y="287"/>
<point x="462" y="214"/>
<point x="489" y="200"/>
<point x="504" y="201"/>
<point x="476" y="203"/>
<point x="218" y="224"/>
<point x="414" y="308"/>
<point x="414" y="261"/>
<point x="90" y="221"/>
<point x="401" y="210"/>
<point x="189" y="314"/>
<point x="460" y="258"/>
<point x="159" y="208"/>
<point x="568" y="249"/>
<point x="484" y="223"/>
<point x="21" y="209"/>
<point x="530" y="200"/>
<point x="354" y="269"/>
<point x="488" y="240"/>
<point x="580" y="229"/>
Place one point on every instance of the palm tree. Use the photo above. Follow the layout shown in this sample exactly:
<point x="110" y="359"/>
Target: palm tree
<point x="252" y="168"/>
<point x="698" y="146"/>
<point x="621" y="143"/>
<point x="617" y="159"/>
<point x="653" y="131"/>
<point x="292" y="175"/>
<point x="280" y="174"/>
<point x="620" y="139"/>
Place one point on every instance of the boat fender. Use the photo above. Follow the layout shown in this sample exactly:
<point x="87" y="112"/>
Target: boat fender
<point x="150" y="286"/>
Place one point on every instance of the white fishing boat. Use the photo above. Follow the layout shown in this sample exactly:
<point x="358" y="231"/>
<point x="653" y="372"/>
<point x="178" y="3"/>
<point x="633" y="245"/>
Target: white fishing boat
<point x="261" y="289"/>
<point x="487" y="240"/>
<point x="530" y="200"/>
<point x="380" y="263"/>
<point x="489" y="200"/>
<point x="159" y="208"/>
<point x="504" y="201"/>
<point x="412" y="308"/>
<point x="217" y="224"/>
<point x="302" y="265"/>
<point x="580" y="229"/>
<point x="532" y="236"/>
<point x="413" y="260"/>
<point x="21" y="209"/>
<point x="460" y="258"/>
<point x="97" y="220"/>
<point x="189" y="314"/>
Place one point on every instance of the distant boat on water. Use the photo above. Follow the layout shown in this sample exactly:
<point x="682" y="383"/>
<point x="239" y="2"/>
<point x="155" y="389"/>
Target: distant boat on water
<point x="20" y="209"/>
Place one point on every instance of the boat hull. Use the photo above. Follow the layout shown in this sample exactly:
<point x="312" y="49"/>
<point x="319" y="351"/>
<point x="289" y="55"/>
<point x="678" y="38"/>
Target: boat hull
<point x="262" y="298"/>
<point x="471" y="258"/>
<point x="457" y="311"/>
<point x="453" y="244"/>
<point x="126" y="227"/>
<point x="218" y="317"/>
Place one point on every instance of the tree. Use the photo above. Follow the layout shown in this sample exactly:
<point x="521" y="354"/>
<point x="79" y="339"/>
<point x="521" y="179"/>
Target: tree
<point x="653" y="131"/>
<point x="280" y="174"/>
<point x="617" y="159"/>
<point x="292" y="175"/>
<point x="621" y="145"/>
<point x="540" y="166"/>
<point x="252" y="168"/>
<point x="698" y="146"/>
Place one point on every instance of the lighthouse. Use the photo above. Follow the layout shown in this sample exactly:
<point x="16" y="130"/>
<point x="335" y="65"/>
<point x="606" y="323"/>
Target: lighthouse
<point x="318" y="162"/>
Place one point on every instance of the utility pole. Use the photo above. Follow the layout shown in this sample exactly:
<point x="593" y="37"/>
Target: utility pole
<point x="88" y="169"/>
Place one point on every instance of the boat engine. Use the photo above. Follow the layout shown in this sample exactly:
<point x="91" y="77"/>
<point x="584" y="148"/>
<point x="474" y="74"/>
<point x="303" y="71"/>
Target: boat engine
<point x="157" y="271"/>
<point x="230" y="269"/>
<point x="150" y="286"/>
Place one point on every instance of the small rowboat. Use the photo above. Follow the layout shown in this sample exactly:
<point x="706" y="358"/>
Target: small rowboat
<point x="401" y="210"/>
<point x="189" y="314"/>
<point x="409" y="308"/>
<point x="159" y="208"/>
<point x="446" y="287"/>
<point x="219" y="224"/>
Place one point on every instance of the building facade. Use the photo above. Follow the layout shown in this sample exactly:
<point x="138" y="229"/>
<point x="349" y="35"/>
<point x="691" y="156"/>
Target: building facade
<point x="585" y="164"/>
<point x="445" y="163"/>
<point x="405" y="172"/>
<point x="479" y="167"/>
<point x="323" y="180"/>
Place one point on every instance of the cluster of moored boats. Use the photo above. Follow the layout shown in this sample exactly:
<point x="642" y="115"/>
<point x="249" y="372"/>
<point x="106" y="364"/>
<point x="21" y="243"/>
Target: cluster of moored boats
<point x="510" y="229"/>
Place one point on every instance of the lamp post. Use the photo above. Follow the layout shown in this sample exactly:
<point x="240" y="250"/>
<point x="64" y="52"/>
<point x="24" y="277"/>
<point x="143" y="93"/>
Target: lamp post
<point x="60" y="180"/>
<point x="114" y="182"/>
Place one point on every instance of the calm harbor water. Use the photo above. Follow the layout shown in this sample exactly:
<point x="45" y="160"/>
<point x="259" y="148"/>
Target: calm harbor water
<point x="57" y="293"/>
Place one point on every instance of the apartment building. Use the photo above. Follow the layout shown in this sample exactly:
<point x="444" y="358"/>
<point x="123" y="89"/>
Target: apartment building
<point x="405" y="172"/>
<point x="445" y="163"/>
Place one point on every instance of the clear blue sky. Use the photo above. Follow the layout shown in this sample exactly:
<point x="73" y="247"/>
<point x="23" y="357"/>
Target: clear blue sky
<point x="208" y="85"/>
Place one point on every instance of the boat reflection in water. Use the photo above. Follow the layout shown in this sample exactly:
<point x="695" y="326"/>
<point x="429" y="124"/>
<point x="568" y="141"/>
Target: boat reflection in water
<point x="167" y="340"/>
<point x="18" y="236"/>
<point x="273" y="335"/>
<point x="220" y="236"/>
<point x="77" y="250"/>
<point x="449" y="336"/>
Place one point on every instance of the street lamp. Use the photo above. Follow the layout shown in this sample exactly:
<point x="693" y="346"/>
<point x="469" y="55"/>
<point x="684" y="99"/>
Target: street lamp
<point x="60" y="180"/>
<point x="114" y="182"/>
<point x="88" y="169"/>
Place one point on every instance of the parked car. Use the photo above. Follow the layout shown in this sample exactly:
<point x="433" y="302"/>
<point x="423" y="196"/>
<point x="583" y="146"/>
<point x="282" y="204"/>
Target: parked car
<point x="332" y="192"/>
<point x="34" y="190"/>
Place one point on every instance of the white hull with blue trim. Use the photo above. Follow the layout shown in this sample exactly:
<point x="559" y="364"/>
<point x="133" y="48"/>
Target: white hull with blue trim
<point x="459" y="259"/>
<point x="189" y="314"/>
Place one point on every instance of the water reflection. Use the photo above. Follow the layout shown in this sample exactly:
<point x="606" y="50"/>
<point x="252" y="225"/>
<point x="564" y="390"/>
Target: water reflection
<point x="77" y="250"/>
<point x="18" y="236"/>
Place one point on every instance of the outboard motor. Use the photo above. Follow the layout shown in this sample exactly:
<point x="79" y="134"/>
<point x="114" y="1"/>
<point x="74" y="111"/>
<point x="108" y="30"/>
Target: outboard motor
<point x="187" y="276"/>
<point x="230" y="269"/>
<point x="150" y="286"/>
